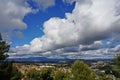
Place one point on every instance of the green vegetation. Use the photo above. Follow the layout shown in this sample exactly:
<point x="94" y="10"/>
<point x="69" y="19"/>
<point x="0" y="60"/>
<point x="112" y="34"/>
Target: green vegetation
<point x="44" y="74"/>
<point x="112" y="69"/>
<point x="116" y="67"/>
<point x="104" y="77"/>
<point x="61" y="75"/>
<point x="81" y="71"/>
<point x="33" y="75"/>
<point x="7" y="70"/>
<point x="78" y="71"/>
<point x="117" y="61"/>
<point x="4" y="47"/>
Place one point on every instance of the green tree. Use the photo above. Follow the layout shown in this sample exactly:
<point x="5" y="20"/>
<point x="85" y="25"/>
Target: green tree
<point x="15" y="74"/>
<point x="33" y="75"/>
<point x="117" y="60"/>
<point x="107" y="68"/>
<point x="43" y="74"/>
<point x="61" y="75"/>
<point x="7" y="71"/>
<point x="104" y="77"/>
<point x="4" y="47"/>
<point x="46" y="74"/>
<point x="116" y="67"/>
<point x="4" y="67"/>
<point x="80" y="71"/>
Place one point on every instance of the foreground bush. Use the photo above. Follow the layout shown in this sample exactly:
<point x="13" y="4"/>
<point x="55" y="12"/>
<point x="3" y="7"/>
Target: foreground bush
<point x="44" y="74"/>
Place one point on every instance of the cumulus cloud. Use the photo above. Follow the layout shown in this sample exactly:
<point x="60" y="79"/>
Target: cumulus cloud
<point x="80" y="33"/>
<point x="91" y="20"/>
<point x="12" y="13"/>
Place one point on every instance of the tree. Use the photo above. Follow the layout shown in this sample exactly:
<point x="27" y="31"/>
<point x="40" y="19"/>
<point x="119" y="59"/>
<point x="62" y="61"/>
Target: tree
<point x="61" y="75"/>
<point x="4" y="67"/>
<point x="15" y="74"/>
<point x="104" y="77"/>
<point x="107" y="68"/>
<point x="81" y="71"/>
<point x="4" y="47"/>
<point x="33" y="75"/>
<point x="46" y="74"/>
<point x="7" y="70"/>
<point x="116" y="67"/>
<point x="43" y="74"/>
<point x="117" y="60"/>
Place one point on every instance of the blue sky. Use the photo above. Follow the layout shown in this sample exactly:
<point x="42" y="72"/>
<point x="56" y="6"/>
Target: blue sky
<point x="61" y="28"/>
<point x="35" y="21"/>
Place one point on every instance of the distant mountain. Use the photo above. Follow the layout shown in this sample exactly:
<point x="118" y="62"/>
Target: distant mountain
<point x="35" y="59"/>
<point x="51" y="60"/>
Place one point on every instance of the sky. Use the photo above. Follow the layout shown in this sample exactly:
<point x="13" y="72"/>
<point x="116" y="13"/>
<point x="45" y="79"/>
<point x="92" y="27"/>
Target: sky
<point x="72" y="29"/>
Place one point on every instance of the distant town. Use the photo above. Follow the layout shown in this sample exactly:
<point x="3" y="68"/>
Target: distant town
<point x="99" y="67"/>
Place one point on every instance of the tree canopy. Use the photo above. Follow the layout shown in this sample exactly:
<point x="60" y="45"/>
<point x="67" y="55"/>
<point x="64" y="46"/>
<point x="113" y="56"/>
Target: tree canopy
<point x="43" y="74"/>
<point x="81" y="71"/>
<point x="116" y="67"/>
<point x="7" y="70"/>
<point x="4" y="47"/>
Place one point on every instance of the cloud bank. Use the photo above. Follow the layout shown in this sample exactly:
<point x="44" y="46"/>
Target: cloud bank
<point x="91" y="20"/>
<point x="81" y="33"/>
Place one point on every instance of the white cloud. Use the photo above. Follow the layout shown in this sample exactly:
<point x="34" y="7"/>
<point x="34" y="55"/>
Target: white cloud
<point x="12" y="13"/>
<point x="24" y="52"/>
<point x="20" y="51"/>
<point x="89" y="21"/>
<point x="44" y="4"/>
<point x="96" y="45"/>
